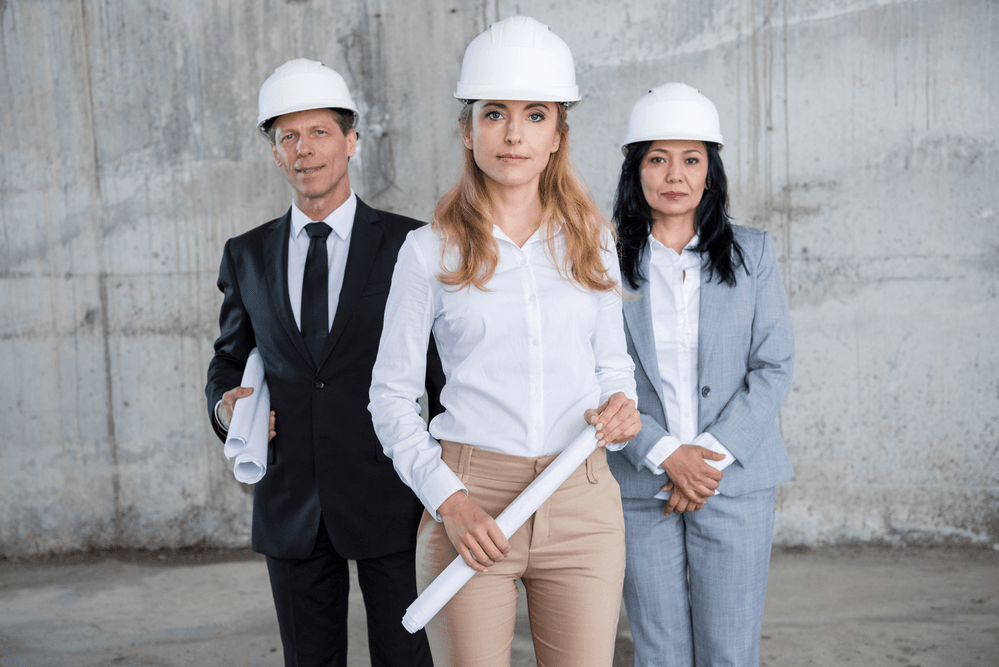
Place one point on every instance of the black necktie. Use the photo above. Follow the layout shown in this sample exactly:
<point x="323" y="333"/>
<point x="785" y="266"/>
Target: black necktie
<point x="315" y="290"/>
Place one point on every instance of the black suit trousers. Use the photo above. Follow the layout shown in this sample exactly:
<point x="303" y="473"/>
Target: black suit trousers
<point x="310" y="595"/>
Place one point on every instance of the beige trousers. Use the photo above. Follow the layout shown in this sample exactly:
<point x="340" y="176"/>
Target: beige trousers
<point x="570" y="556"/>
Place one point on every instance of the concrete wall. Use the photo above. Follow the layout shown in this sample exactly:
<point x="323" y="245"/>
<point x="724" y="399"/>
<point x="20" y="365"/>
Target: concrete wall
<point x="861" y="133"/>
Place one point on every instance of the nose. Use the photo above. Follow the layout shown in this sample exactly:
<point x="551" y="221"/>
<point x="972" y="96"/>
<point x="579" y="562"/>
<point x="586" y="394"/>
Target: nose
<point x="514" y="131"/>
<point x="673" y="171"/>
<point x="304" y="146"/>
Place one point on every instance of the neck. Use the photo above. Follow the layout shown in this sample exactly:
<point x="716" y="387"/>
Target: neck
<point x="673" y="232"/>
<point x="516" y="210"/>
<point x="318" y="209"/>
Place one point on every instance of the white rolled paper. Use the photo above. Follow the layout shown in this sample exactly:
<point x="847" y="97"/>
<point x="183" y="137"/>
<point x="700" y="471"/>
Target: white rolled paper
<point x="250" y="424"/>
<point x="457" y="574"/>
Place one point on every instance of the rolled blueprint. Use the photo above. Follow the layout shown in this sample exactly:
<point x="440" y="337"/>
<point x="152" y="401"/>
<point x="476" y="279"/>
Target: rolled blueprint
<point x="250" y="425"/>
<point x="457" y="574"/>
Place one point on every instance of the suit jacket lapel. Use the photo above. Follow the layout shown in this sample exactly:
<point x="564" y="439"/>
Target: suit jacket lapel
<point x="638" y="314"/>
<point x="274" y="249"/>
<point x="365" y="237"/>
<point x="709" y="319"/>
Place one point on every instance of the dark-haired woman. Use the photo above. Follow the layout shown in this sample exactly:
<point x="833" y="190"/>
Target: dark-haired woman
<point x="710" y="334"/>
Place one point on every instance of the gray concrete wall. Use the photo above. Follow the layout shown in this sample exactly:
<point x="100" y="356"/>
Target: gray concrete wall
<point x="863" y="134"/>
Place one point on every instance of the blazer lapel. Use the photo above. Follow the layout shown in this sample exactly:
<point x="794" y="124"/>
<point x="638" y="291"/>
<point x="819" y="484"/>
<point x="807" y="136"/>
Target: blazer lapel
<point x="365" y="237"/>
<point x="709" y="316"/>
<point x="638" y="314"/>
<point x="274" y="249"/>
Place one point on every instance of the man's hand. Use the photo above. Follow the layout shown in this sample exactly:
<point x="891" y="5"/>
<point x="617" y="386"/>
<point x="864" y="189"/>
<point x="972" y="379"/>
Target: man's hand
<point x="473" y="532"/>
<point x="690" y="474"/>
<point x="617" y="420"/>
<point x="224" y="413"/>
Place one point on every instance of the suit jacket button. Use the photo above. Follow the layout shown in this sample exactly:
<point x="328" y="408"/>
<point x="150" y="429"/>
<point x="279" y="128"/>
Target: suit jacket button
<point x="319" y="384"/>
<point x="705" y="392"/>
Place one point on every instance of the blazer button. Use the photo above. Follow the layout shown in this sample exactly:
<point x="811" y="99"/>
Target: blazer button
<point x="319" y="384"/>
<point x="705" y="392"/>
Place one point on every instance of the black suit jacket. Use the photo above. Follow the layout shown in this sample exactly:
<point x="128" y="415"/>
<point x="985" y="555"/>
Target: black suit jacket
<point x="325" y="461"/>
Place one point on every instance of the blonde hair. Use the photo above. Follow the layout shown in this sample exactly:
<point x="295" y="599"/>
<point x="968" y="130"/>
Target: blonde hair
<point x="462" y="219"/>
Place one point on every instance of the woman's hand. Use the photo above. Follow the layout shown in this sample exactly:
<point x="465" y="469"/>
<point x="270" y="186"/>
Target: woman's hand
<point x="617" y="420"/>
<point x="473" y="533"/>
<point x="679" y="503"/>
<point x="688" y="471"/>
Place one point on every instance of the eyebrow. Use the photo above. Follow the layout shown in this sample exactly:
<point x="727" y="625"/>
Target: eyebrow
<point x="663" y="150"/>
<point x="500" y="105"/>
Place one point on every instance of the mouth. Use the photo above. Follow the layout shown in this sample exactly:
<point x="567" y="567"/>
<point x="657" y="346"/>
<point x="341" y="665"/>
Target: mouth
<point x="673" y="196"/>
<point x="512" y="156"/>
<point x="310" y="170"/>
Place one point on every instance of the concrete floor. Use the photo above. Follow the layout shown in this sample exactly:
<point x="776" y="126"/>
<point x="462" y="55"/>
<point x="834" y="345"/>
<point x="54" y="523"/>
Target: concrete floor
<point x="844" y="606"/>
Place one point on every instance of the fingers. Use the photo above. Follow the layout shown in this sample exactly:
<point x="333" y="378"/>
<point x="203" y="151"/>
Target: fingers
<point x="617" y="420"/>
<point x="710" y="455"/>
<point x="270" y="428"/>
<point x="473" y="533"/>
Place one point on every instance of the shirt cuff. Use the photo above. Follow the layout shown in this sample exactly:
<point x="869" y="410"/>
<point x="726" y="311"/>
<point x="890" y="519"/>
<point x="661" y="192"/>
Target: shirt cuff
<point x="439" y="487"/>
<point x="708" y="441"/>
<point x="218" y="420"/>
<point x="662" y="451"/>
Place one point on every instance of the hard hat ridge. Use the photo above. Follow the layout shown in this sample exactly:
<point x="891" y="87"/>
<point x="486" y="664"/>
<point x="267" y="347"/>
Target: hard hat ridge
<point x="518" y="58"/>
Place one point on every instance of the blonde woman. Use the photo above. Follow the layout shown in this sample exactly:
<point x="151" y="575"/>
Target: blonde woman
<point x="518" y="280"/>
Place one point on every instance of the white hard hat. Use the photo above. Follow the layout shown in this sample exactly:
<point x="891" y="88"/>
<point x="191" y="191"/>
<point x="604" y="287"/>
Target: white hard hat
<point x="299" y="85"/>
<point x="518" y="59"/>
<point x="673" y="111"/>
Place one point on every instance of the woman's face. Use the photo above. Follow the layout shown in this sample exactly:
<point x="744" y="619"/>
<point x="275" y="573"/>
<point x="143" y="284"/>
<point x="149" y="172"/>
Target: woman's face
<point x="512" y="140"/>
<point x="673" y="173"/>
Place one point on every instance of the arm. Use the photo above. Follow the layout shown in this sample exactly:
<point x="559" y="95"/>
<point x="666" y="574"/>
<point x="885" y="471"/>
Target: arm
<point x="617" y="416"/>
<point x="741" y="424"/>
<point x="399" y="377"/>
<point x="232" y="347"/>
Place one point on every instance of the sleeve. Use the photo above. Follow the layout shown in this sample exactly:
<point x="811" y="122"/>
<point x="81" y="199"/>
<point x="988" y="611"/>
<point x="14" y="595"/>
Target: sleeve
<point x="614" y="366"/>
<point x="708" y="441"/>
<point x="234" y="343"/>
<point x="753" y="408"/>
<point x="398" y="380"/>
<point x="660" y="452"/>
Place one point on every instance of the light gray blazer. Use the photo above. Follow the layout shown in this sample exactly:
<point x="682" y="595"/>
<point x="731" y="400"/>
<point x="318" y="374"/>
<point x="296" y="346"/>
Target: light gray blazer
<point x="745" y="357"/>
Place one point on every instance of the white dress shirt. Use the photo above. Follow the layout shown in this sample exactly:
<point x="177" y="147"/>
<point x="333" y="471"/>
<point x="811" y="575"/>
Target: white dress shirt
<point x="523" y="359"/>
<point x="675" y="299"/>
<point x="337" y="245"/>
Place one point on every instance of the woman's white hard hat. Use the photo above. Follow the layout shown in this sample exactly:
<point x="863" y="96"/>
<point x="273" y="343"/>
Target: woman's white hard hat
<point x="299" y="85"/>
<point x="518" y="59"/>
<point x="673" y="111"/>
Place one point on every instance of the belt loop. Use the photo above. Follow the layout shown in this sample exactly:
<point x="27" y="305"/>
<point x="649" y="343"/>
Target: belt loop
<point x="590" y="472"/>
<point x="465" y="462"/>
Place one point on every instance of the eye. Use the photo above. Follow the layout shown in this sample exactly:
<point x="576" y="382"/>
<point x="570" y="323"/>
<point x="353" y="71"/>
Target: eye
<point x="320" y="131"/>
<point x="287" y="137"/>
<point x="493" y="115"/>
<point x="536" y="117"/>
<point x="657" y="160"/>
<point x="692" y="160"/>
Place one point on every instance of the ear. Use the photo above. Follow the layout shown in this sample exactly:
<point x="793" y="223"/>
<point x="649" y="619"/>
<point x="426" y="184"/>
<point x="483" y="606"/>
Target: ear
<point x="277" y="157"/>
<point x="556" y="142"/>
<point x="466" y="134"/>
<point x="351" y="142"/>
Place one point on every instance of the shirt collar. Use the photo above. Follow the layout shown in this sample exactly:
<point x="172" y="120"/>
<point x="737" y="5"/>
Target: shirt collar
<point x="537" y="236"/>
<point x="341" y="220"/>
<point x="688" y="258"/>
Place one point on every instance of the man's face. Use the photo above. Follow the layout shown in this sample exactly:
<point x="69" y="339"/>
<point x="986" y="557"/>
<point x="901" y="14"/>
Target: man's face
<point x="313" y="151"/>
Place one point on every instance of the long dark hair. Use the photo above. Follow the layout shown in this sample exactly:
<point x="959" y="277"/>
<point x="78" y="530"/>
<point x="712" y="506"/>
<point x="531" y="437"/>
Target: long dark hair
<point x="633" y="217"/>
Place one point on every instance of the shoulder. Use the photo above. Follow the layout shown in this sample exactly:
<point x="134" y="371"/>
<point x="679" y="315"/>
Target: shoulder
<point x="749" y="236"/>
<point x="393" y="223"/>
<point x="253" y="238"/>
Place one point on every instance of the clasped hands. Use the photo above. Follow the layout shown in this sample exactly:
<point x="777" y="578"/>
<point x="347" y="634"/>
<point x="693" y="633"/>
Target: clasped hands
<point x="475" y="534"/>
<point x="691" y="480"/>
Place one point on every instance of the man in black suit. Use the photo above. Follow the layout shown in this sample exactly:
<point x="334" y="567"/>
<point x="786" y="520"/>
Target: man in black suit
<point x="308" y="290"/>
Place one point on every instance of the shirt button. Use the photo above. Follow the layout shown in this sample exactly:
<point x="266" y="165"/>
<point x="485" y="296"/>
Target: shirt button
<point x="318" y="384"/>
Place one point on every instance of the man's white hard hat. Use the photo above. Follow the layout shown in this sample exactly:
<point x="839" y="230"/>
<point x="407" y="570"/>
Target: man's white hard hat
<point x="299" y="85"/>
<point x="673" y="111"/>
<point x="518" y="59"/>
